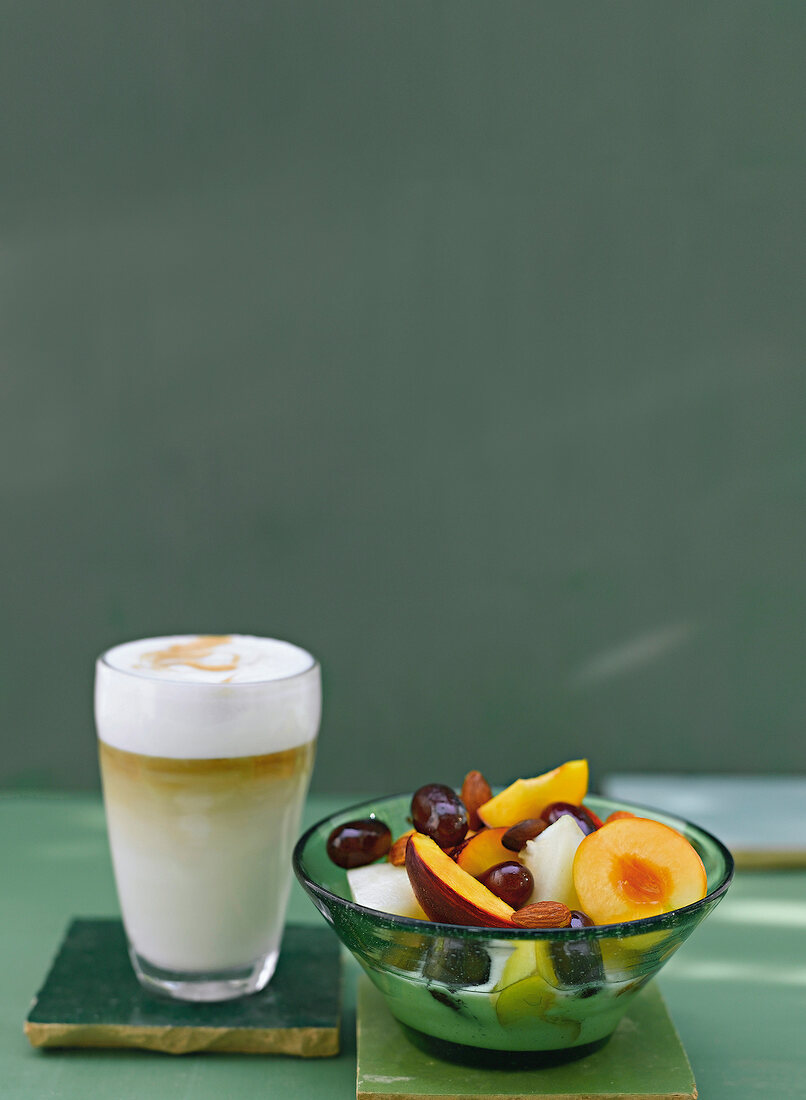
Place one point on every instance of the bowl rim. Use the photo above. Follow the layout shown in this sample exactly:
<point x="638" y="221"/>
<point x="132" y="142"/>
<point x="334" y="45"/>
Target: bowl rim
<point x="621" y="929"/>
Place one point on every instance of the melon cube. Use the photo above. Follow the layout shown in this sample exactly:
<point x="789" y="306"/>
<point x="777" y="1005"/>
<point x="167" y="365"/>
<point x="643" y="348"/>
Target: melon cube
<point x="384" y="887"/>
<point x="550" y="858"/>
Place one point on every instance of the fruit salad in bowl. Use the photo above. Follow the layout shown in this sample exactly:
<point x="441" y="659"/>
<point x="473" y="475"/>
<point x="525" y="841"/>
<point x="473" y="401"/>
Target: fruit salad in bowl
<point x="522" y="920"/>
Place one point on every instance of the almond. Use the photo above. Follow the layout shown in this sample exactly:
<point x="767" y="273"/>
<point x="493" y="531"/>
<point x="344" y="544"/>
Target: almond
<point x="475" y="792"/>
<point x="516" y="838"/>
<point x="397" y="853"/>
<point x="543" y="914"/>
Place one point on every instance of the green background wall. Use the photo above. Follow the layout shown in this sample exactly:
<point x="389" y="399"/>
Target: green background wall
<point x="459" y="342"/>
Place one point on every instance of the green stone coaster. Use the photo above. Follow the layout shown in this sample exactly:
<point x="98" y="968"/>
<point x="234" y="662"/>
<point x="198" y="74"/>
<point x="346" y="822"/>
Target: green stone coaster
<point x="644" y="1060"/>
<point x="91" y="998"/>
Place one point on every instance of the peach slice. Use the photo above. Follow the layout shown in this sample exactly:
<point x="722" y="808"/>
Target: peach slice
<point x="551" y="963"/>
<point x="524" y="1001"/>
<point x="529" y="797"/>
<point x="520" y="964"/>
<point x="482" y="851"/>
<point x="446" y="892"/>
<point x="526" y="998"/>
<point x="634" y="867"/>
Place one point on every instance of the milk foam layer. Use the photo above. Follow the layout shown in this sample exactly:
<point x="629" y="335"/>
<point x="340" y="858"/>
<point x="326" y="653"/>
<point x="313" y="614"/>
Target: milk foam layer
<point x="203" y="697"/>
<point x="210" y="658"/>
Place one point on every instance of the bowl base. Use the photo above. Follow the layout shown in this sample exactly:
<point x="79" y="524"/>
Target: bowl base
<point x="485" y="1058"/>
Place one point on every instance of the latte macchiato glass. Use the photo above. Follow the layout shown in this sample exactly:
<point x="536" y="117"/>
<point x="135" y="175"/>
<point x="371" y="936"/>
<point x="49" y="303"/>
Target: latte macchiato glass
<point x="206" y="746"/>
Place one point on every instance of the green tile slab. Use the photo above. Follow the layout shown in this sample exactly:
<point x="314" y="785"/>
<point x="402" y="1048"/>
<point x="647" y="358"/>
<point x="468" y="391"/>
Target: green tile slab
<point x="644" y="1060"/>
<point x="91" y="998"/>
<point x="719" y="803"/>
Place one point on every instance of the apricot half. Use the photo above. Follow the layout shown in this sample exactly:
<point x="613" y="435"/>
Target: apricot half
<point x="529" y="797"/>
<point x="636" y="867"/>
<point x="446" y="892"/>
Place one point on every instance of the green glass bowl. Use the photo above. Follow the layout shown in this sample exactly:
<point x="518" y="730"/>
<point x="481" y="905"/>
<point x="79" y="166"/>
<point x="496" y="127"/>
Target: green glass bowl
<point x="525" y="990"/>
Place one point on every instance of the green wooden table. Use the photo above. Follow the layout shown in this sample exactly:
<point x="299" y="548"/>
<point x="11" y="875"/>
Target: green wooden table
<point x="737" y="991"/>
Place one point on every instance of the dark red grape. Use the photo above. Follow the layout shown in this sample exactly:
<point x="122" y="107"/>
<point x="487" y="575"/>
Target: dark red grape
<point x="357" y="843"/>
<point x="580" y="920"/>
<point x="457" y="963"/>
<point x="509" y="881"/>
<point x="578" y="962"/>
<point x="437" y="811"/>
<point x="557" y="810"/>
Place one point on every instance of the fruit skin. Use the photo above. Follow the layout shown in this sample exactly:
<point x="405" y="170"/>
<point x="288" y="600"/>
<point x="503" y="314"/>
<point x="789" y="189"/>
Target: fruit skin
<point x="577" y="963"/>
<point x="527" y="798"/>
<point x="482" y="851"/>
<point x="510" y="881"/>
<point x="524" y="1000"/>
<point x="357" y="843"/>
<point x="449" y="894"/>
<point x="384" y="887"/>
<point x="580" y="920"/>
<point x="519" y="965"/>
<point x="583" y="817"/>
<point x="457" y="963"/>
<point x="553" y="964"/>
<point x="437" y="811"/>
<point x="526" y="996"/>
<point x="636" y="867"/>
<point x="597" y="821"/>
<point x="550" y="858"/>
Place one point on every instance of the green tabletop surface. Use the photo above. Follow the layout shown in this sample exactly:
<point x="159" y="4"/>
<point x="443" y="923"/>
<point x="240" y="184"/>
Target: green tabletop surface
<point x="736" y="991"/>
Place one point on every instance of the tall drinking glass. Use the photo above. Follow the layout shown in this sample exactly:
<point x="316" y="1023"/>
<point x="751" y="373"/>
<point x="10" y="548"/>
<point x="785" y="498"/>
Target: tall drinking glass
<point x="206" y="747"/>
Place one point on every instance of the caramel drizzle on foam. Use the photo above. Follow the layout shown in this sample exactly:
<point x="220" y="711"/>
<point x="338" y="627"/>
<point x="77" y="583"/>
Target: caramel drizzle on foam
<point x="191" y="654"/>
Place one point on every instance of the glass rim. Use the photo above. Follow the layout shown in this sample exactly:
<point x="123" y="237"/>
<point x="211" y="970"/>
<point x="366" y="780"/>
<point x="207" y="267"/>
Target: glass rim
<point x="314" y="666"/>
<point x="618" y="930"/>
